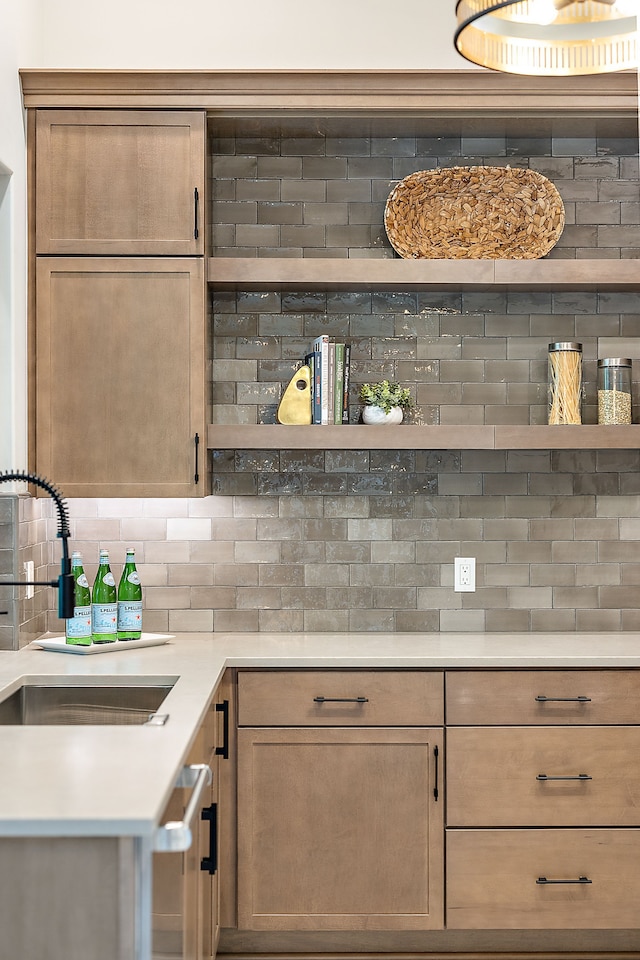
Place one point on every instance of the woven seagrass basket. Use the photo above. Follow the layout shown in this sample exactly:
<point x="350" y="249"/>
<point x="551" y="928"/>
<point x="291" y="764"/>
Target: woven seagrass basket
<point x="480" y="213"/>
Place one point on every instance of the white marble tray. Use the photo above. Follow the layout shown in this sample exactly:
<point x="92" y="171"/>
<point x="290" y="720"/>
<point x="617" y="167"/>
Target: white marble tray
<point x="59" y="644"/>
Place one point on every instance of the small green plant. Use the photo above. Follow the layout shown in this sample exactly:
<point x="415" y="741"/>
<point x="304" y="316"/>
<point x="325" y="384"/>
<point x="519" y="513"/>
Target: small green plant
<point x="386" y="395"/>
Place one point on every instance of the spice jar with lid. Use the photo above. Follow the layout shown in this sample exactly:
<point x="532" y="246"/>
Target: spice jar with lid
<point x="565" y="382"/>
<point x="614" y="390"/>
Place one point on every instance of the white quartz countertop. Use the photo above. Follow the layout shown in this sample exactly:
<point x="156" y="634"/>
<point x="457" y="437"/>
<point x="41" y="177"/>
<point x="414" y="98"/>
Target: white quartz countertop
<point x="110" y="780"/>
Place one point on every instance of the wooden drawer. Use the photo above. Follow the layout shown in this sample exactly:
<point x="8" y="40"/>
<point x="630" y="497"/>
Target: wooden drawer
<point x="494" y="776"/>
<point x="493" y="879"/>
<point x="543" y="696"/>
<point x="351" y="697"/>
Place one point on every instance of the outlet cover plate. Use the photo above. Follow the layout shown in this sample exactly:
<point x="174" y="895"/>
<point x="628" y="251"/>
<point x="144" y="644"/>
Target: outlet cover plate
<point x="29" y="574"/>
<point x="464" y="574"/>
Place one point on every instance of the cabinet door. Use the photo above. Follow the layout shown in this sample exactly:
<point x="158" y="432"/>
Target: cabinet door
<point x="183" y="889"/>
<point x="339" y="829"/>
<point x="120" y="370"/>
<point x="125" y="182"/>
<point x="207" y="865"/>
<point x="226" y="749"/>
<point x="69" y="897"/>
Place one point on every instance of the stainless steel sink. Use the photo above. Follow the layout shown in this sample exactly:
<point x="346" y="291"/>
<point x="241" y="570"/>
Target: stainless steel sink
<point x="104" y="703"/>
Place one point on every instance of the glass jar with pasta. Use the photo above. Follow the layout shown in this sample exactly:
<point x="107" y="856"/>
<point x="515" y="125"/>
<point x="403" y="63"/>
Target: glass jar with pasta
<point x="565" y="382"/>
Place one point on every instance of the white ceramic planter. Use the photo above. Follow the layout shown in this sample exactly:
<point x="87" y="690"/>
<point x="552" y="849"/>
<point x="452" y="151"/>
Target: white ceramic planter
<point x="373" y="414"/>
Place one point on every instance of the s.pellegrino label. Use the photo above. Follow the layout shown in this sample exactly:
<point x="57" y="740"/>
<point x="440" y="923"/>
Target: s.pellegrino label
<point x="129" y="601"/>
<point x="78" y="628"/>
<point x="104" y="605"/>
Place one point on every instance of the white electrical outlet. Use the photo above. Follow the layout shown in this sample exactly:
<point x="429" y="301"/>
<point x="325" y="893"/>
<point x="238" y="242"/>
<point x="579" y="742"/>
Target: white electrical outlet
<point x="29" y="574"/>
<point x="464" y="574"/>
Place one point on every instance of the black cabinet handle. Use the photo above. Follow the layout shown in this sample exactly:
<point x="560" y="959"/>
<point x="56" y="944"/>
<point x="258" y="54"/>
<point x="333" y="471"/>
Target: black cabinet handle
<point x="210" y="863"/>
<point x="436" y="755"/>
<point x="196" y="475"/>
<point x="196" y="205"/>
<point x="542" y="699"/>
<point x="580" y="776"/>
<point x="341" y="700"/>
<point x="577" y="880"/>
<point x="223" y="708"/>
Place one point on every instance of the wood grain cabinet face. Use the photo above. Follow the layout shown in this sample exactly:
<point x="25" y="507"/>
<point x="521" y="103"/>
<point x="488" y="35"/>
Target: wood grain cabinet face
<point x="552" y="776"/>
<point x="120" y="375"/>
<point x="184" y="896"/>
<point x="338" y="829"/>
<point x="66" y="897"/>
<point x="543" y="879"/>
<point x="543" y="800"/>
<point x="341" y="698"/>
<point x="120" y="182"/>
<point x="543" y="697"/>
<point x="340" y="813"/>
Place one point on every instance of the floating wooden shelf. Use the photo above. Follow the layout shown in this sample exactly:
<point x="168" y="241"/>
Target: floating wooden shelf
<point x="397" y="274"/>
<point x="412" y="437"/>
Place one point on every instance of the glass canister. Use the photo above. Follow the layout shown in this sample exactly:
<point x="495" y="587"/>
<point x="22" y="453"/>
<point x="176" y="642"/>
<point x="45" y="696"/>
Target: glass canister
<point x="565" y="382"/>
<point x="614" y="390"/>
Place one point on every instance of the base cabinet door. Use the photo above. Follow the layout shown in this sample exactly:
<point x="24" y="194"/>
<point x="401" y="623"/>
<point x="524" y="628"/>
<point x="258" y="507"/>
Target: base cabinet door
<point x="339" y="829"/>
<point x="120" y="375"/>
<point x="68" y="897"/>
<point x="543" y="879"/>
<point x="183" y="913"/>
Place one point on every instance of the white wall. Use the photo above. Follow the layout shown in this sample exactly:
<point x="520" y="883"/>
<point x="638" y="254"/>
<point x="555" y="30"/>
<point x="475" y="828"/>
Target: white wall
<point x="17" y="32"/>
<point x="208" y="34"/>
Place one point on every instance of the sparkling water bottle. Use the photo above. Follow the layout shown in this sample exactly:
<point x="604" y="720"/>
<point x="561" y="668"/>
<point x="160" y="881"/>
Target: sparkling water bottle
<point x="77" y="629"/>
<point x="104" y="606"/>
<point x="129" y="601"/>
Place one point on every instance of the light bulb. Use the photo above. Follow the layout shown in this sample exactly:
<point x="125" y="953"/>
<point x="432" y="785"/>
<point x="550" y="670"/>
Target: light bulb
<point x="543" y="11"/>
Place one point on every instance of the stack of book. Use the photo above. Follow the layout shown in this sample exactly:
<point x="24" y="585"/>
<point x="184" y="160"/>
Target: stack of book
<point x="329" y="363"/>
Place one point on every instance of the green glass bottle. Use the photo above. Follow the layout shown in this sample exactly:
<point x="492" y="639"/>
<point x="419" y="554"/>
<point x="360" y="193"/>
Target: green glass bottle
<point x="104" y="606"/>
<point x="129" y="600"/>
<point x="77" y="629"/>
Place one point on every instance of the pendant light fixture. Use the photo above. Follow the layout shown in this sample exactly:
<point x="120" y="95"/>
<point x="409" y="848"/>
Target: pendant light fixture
<point x="549" y="37"/>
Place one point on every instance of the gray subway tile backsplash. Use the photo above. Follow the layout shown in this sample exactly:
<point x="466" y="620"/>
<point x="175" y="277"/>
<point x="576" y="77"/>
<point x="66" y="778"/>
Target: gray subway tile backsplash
<point x="364" y="540"/>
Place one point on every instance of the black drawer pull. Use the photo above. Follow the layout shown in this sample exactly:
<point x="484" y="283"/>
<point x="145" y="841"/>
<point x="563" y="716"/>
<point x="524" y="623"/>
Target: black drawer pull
<point x="210" y="862"/>
<point x="223" y="750"/>
<point x="580" y="776"/>
<point x="577" y="880"/>
<point x="542" y="699"/>
<point x="341" y="700"/>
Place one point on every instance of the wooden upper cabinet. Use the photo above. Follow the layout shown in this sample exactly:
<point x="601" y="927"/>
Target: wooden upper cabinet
<point x="120" y="375"/>
<point x="120" y="182"/>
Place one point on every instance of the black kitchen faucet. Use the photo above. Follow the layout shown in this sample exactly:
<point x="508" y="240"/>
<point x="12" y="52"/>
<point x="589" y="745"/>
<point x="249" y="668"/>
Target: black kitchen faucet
<point x="64" y="583"/>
